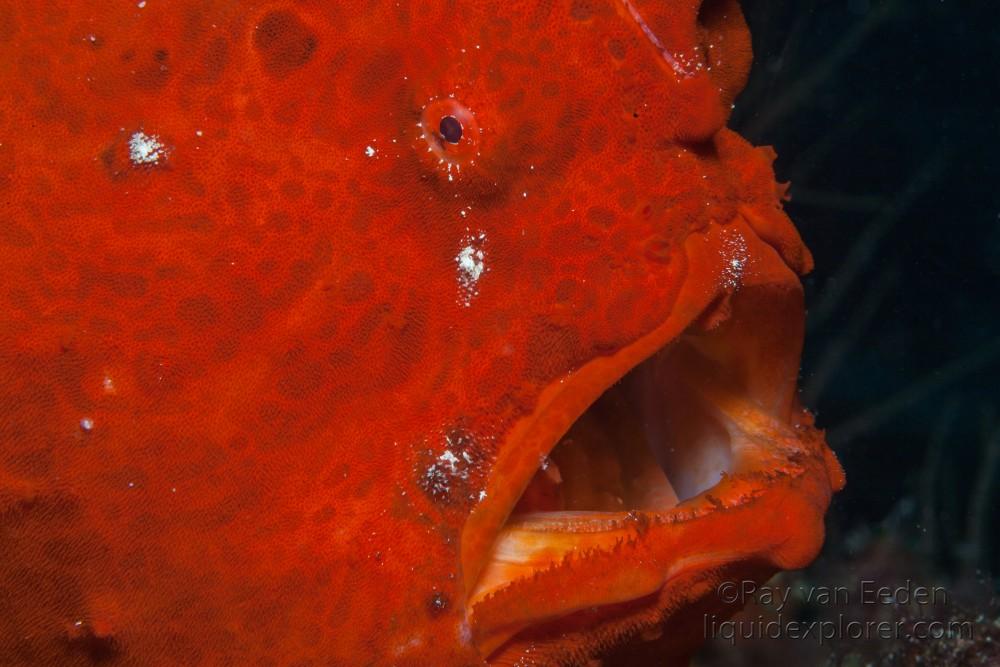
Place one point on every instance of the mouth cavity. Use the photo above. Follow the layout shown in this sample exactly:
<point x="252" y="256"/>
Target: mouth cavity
<point x="647" y="447"/>
<point x="636" y="448"/>
<point x="669" y="442"/>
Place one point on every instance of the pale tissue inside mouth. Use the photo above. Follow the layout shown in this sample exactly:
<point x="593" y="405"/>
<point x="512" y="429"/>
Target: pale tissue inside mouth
<point x="646" y="445"/>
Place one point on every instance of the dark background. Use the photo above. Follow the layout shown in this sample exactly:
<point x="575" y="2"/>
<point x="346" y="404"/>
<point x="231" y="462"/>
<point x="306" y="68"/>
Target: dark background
<point x="884" y="115"/>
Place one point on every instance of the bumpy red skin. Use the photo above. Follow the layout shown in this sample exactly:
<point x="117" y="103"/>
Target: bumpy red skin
<point x="266" y="327"/>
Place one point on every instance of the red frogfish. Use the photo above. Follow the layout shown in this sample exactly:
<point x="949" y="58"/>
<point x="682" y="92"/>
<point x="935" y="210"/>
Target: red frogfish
<point x="390" y="333"/>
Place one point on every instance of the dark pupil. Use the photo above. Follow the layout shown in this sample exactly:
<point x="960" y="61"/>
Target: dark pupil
<point x="450" y="129"/>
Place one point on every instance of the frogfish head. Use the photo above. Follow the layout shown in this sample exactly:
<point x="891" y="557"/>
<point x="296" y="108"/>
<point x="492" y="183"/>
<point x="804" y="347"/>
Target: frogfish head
<point x="390" y="333"/>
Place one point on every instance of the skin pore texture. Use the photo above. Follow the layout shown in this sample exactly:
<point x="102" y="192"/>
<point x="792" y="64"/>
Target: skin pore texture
<point x="389" y="333"/>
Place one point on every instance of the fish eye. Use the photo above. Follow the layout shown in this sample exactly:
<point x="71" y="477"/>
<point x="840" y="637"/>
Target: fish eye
<point x="450" y="129"/>
<point x="449" y="134"/>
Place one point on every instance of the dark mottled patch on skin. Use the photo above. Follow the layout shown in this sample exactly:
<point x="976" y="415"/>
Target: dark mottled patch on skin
<point x="158" y="376"/>
<point x="381" y="68"/>
<point x="581" y="10"/>
<point x="213" y="61"/>
<point x="84" y="642"/>
<point x="16" y="235"/>
<point x="8" y="23"/>
<point x="601" y="216"/>
<point x="616" y="48"/>
<point x="299" y="374"/>
<point x="292" y="189"/>
<point x="658" y="249"/>
<point x="359" y="287"/>
<point x="323" y="199"/>
<point x="284" y="42"/>
<point x="126" y="284"/>
<point x="198" y="311"/>
<point x="150" y="70"/>
<point x="552" y="349"/>
<point x="114" y="164"/>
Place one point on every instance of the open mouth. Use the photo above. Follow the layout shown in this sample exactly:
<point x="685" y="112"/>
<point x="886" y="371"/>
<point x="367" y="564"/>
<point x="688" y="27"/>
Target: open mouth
<point x="652" y="480"/>
<point x="645" y="445"/>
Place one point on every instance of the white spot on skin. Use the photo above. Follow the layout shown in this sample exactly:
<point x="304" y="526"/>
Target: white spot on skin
<point x="415" y="642"/>
<point x="735" y="256"/>
<point x="449" y="460"/>
<point x="145" y="149"/>
<point x="439" y="475"/>
<point x="86" y="424"/>
<point x="449" y="472"/>
<point x="370" y="150"/>
<point x="471" y="261"/>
